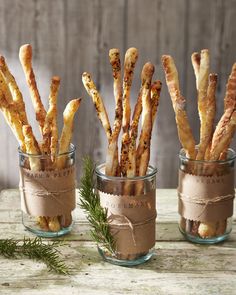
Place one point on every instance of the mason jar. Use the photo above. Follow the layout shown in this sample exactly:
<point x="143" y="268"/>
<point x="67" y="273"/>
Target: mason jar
<point x="131" y="211"/>
<point x="47" y="190"/>
<point x="205" y="198"/>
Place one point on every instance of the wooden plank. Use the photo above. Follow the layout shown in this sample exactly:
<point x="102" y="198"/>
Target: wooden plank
<point x="175" y="267"/>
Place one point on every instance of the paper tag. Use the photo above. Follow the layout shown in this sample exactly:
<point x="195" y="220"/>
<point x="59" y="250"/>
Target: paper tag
<point x="206" y="198"/>
<point x="132" y="221"/>
<point x="47" y="193"/>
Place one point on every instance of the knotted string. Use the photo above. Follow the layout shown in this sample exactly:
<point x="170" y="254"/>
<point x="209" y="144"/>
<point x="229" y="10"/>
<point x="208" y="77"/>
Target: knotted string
<point x="127" y="223"/>
<point x="205" y="202"/>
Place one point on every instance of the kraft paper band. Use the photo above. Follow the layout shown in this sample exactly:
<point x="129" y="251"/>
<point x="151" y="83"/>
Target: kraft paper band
<point x="206" y="198"/>
<point x="47" y="193"/>
<point x="132" y="221"/>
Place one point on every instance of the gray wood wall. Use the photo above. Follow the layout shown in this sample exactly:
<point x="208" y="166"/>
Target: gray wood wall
<point x="69" y="37"/>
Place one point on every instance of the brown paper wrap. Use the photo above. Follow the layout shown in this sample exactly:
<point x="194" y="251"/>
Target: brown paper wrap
<point x="206" y="198"/>
<point x="47" y="193"/>
<point x="132" y="221"/>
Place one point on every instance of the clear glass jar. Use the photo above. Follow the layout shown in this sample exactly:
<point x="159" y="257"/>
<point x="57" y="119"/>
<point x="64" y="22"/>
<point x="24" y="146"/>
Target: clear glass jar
<point x="47" y="193"/>
<point x="131" y="207"/>
<point x="206" y="193"/>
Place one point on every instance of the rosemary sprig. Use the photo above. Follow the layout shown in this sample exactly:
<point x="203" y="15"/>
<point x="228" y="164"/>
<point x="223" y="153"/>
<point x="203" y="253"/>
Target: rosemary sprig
<point x="96" y="215"/>
<point x="35" y="249"/>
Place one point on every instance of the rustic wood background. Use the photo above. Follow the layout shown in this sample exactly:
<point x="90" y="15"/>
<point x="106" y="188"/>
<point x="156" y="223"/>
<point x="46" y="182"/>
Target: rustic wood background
<point x="69" y="37"/>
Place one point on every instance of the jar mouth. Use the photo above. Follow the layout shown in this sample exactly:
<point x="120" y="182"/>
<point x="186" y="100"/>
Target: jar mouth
<point x="231" y="156"/>
<point x="100" y="171"/>
<point x="72" y="149"/>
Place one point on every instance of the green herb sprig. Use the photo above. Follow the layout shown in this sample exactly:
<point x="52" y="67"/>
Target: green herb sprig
<point x="35" y="249"/>
<point x="96" y="215"/>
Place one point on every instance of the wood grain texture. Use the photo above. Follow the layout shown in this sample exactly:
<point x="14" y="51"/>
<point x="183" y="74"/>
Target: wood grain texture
<point x="69" y="37"/>
<point x="178" y="267"/>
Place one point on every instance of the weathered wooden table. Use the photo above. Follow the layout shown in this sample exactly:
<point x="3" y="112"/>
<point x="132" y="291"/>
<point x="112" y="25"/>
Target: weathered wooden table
<point x="178" y="267"/>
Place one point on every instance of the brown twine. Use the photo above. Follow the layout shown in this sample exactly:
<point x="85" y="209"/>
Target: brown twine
<point x="44" y="191"/>
<point x="113" y="217"/>
<point x="205" y="202"/>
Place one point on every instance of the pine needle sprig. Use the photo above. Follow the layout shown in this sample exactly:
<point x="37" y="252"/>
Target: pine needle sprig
<point x="35" y="249"/>
<point x="96" y="215"/>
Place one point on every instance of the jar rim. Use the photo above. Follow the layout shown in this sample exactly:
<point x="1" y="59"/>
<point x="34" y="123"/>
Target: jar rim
<point x="72" y="149"/>
<point x="231" y="152"/>
<point x="98" y="171"/>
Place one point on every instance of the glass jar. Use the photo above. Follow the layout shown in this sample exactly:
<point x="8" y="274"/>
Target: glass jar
<point x="206" y="193"/>
<point x="131" y="209"/>
<point x="47" y="193"/>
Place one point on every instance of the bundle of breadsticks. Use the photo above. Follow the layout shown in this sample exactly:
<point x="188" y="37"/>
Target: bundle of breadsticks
<point x="133" y="160"/>
<point x="214" y="141"/>
<point x="13" y="108"/>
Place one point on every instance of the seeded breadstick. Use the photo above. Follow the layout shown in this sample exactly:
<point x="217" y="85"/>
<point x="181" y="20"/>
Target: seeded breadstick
<point x="25" y="56"/>
<point x="155" y="96"/>
<point x="112" y="161"/>
<point x="66" y="135"/>
<point x="98" y="102"/>
<point x="32" y="147"/>
<point x="143" y="150"/>
<point x="196" y="57"/>
<point x="178" y="101"/>
<point x="131" y="57"/>
<point x="12" y="117"/>
<point x="203" y="104"/>
<point x="15" y="91"/>
<point x="50" y="125"/>
<point x="146" y="78"/>
<point x="208" y="126"/>
<point x="230" y="95"/>
<point x="5" y="89"/>
<point x="223" y="134"/>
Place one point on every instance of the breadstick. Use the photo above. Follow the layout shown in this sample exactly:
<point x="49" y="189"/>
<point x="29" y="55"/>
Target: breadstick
<point x="32" y="147"/>
<point x="196" y="57"/>
<point x="146" y="78"/>
<point x="98" y="103"/>
<point x="229" y="100"/>
<point x="4" y="88"/>
<point x="112" y="161"/>
<point x="131" y="57"/>
<point x="50" y="125"/>
<point x="184" y="130"/>
<point x="66" y="135"/>
<point x="223" y="134"/>
<point x="25" y="56"/>
<point x="203" y="103"/>
<point x="12" y="117"/>
<point x="155" y="96"/>
<point x="230" y="95"/>
<point x="15" y="91"/>
<point x="208" y="125"/>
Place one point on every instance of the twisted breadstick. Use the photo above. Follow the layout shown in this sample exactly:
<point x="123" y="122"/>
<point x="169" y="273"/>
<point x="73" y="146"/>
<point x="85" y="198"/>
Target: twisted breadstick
<point x="15" y="91"/>
<point x="144" y="103"/>
<point x="32" y="147"/>
<point x="12" y="117"/>
<point x="223" y="134"/>
<point x="196" y="57"/>
<point x="50" y="125"/>
<point x="25" y="56"/>
<point x="184" y="130"/>
<point x="131" y="57"/>
<point x="203" y="104"/>
<point x="155" y="96"/>
<point x="98" y="103"/>
<point x="66" y="135"/>
<point x="112" y="160"/>
<point x="208" y="125"/>
<point x="230" y="95"/>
